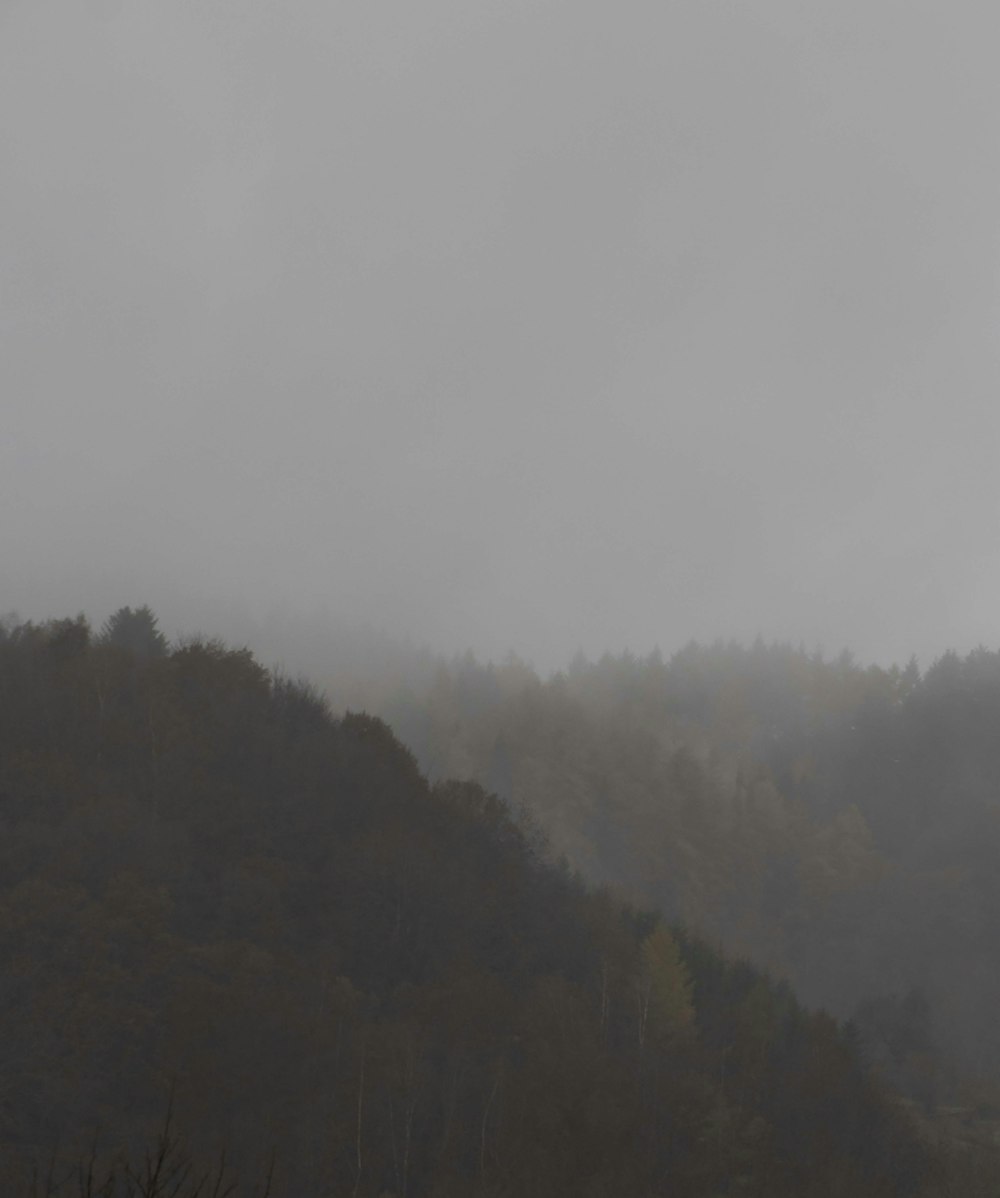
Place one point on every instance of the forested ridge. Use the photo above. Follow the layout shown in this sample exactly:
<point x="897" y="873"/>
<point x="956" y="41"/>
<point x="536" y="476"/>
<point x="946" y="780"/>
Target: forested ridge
<point x="214" y="893"/>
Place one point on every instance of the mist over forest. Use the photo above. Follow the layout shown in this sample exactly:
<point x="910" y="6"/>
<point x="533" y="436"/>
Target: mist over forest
<point x="833" y="821"/>
<point x="499" y="659"/>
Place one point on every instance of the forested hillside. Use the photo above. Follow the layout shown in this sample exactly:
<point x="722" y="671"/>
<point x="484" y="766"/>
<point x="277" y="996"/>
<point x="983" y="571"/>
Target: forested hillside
<point x="211" y="888"/>
<point x="836" y="824"/>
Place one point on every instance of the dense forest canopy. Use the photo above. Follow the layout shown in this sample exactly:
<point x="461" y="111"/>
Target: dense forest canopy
<point x="212" y="888"/>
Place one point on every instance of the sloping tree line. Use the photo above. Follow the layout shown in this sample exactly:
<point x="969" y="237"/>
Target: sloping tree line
<point x="210" y="888"/>
<point x="837" y="824"/>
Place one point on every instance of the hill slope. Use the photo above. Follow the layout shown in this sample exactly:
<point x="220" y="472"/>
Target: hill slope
<point x="208" y="885"/>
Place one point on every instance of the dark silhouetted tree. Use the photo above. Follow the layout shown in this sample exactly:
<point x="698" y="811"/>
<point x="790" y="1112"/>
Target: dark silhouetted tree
<point x="135" y="631"/>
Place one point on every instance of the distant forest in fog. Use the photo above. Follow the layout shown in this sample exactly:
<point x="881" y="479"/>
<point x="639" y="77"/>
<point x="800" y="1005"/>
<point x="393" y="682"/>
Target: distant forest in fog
<point x="835" y="823"/>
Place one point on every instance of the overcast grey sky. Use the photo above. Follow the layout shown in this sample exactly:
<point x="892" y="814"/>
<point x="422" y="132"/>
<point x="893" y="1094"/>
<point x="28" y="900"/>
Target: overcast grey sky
<point x="530" y="324"/>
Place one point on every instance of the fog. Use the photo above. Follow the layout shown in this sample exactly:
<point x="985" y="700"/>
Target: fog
<point x="520" y="326"/>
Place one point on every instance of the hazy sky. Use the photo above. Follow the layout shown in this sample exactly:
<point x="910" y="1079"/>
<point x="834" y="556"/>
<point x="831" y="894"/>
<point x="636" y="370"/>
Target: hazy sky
<point x="524" y="325"/>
